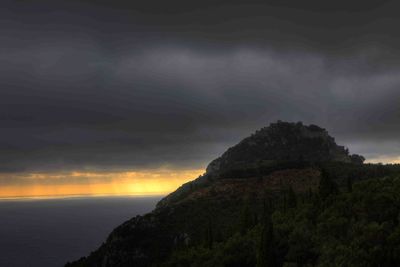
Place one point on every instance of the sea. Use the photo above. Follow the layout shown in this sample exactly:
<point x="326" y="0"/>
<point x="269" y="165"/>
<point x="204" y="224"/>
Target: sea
<point x="51" y="232"/>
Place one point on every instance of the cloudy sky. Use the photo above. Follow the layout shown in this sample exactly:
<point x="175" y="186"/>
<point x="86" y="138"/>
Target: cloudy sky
<point x="93" y="90"/>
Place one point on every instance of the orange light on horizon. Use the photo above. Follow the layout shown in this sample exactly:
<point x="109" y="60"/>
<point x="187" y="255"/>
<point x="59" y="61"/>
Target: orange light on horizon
<point x="385" y="160"/>
<point x="150" y="182"/>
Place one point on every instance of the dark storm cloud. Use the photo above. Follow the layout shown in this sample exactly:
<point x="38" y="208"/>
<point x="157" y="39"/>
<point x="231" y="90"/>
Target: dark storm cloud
<point x="93" y="85"/>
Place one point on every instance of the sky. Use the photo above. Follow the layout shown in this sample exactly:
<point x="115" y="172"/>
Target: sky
<point x="136" y="97"/>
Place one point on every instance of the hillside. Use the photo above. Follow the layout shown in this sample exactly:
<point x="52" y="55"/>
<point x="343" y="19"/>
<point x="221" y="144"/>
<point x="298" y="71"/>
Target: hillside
<point x="281" y="141"/>
<point x="288" y="195"/>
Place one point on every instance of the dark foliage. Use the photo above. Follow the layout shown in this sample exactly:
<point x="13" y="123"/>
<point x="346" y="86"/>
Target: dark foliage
<point x="358" y="228"/>
<point x="239" y="214"/>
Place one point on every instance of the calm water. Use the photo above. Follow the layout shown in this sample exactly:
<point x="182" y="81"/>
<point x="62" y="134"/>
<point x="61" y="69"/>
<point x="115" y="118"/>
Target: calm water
<point x="48" y="233"/>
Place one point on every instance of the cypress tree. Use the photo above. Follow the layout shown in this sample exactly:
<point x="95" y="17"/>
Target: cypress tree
<point x="326" y="185"/>
<point x="291" y="198"/>
<point x="245" y="219"/>
<point x="209" y="235"/>
<point x="349" y="184"/>
<point x="266" y="255"/>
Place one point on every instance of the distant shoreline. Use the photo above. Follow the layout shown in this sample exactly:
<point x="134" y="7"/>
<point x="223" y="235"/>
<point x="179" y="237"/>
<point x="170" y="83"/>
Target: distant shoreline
<point x="80" y="196"/>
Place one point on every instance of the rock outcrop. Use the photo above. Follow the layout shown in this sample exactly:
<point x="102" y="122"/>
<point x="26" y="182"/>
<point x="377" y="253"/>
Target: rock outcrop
<point x="281" y="142"/>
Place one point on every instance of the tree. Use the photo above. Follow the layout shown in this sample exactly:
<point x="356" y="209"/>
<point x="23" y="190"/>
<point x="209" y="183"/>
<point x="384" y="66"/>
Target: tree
<point x="266" y="255"/>
<point x="209" y="234"/>
<point x="349" y="184"/>
<point x="291" y="198"/>
<point x="357" y="159"/>
<point x="327" y="186"/>
<point x="245" y="219"/>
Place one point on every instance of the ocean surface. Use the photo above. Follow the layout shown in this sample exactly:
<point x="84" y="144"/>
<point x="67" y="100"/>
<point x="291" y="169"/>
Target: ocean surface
<point x="51" y="232"/>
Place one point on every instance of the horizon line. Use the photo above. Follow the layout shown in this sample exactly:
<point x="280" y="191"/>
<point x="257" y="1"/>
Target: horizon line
<point x="75" y="196"/>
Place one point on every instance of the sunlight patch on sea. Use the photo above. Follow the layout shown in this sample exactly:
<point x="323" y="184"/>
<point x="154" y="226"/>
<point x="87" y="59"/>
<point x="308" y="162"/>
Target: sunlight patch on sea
<point x="136" y="183"/>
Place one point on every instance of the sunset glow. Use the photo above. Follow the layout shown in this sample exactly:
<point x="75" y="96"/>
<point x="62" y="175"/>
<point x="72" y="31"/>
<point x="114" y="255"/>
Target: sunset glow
<point x="45" y="185"/>
<point x="384" y="160"/>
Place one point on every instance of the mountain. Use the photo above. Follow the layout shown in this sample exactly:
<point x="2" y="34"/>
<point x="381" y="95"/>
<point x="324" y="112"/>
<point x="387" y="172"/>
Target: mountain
<point x="280" y="146"/>
<point x="281" y="141"/>
<point x="287" y="195"/>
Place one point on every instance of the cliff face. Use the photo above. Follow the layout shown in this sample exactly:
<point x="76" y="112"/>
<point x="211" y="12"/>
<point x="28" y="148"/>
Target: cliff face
<point x="275" y="158"/>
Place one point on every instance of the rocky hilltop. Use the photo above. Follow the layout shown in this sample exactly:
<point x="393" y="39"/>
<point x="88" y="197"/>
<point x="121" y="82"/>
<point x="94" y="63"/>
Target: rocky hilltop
<point x="281" y="141"/>
<point x="279" y="165"/>
<point x="280" y="146"/>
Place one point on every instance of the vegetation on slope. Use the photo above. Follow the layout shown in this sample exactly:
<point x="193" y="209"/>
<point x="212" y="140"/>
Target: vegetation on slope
<point x="354" y="226"/>
<point x="309" y="203"/>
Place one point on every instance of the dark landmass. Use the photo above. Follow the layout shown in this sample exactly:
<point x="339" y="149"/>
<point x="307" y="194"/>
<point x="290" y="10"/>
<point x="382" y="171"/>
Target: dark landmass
<point x="288" y="195"/>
